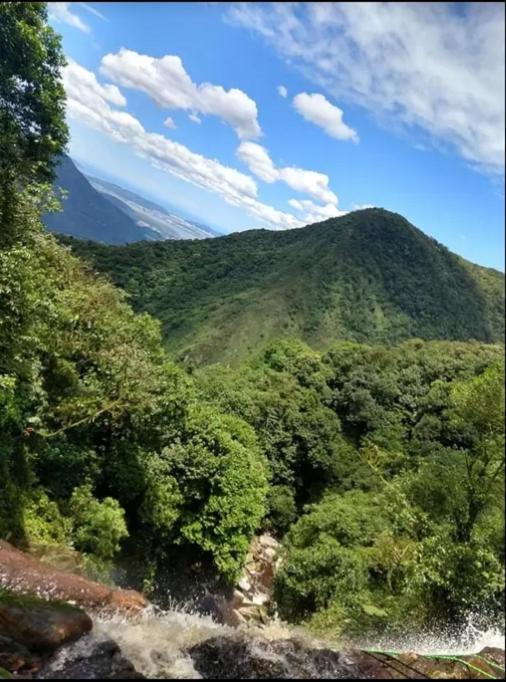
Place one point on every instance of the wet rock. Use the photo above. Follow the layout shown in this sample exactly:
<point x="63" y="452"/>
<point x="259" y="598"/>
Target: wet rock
<point x="222" y="610"/>
<point x="15" y="658"/>
<point x="24" y="574"/>
<point x="255" y="658"/>
<point x="251" y="597"/>
<point x="39" y="625"/>
<point x="89" y="659"/>
<point x="126" y="600"/>
<point x="242" y="658"/>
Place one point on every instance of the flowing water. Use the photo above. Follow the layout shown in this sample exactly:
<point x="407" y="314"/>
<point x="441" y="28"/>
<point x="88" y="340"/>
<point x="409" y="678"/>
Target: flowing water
<point x="157" y="641"/>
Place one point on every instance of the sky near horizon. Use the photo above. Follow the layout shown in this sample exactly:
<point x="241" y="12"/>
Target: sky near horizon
<point x="276" y="115"/>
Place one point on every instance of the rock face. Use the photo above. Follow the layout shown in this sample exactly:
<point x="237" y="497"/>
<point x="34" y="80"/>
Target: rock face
<point x="33" y="628"/>
<point x="52" y="640"/>
<point x="244" y="658"/>
<point x="24" y="574"/>
<point x="90" y="660"/>
<point x="240" y="658"/>
<point x="15" y="658"/>
<point x="252" y="594"/>
<point x="41" y="626"/>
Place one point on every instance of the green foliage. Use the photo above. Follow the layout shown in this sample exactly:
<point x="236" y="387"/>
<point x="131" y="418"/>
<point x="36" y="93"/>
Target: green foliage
<point x="282" y="395"/>
<point x="43" y="523"/>
<point x="208" y="488"/>
<point x="368" y="276"/>
<point x="31" y="92"/>
<point x="98" y="527"/>
<point x="329" y="552"/>
<point x="281" y="508"/>
<point x="32" y="114"/>
<point x="62" y="465"/>
<point x="97" y="420"/>
<point x="423" y="542"/>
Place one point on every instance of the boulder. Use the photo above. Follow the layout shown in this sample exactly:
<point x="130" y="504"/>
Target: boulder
<point x="240" y="657"/>
<point x="15" y="658"/>
<point x="40" y="625"/>
<point x="90" y="660"/>
<point x="251" y="596"/>
<point x="24" y="574"/>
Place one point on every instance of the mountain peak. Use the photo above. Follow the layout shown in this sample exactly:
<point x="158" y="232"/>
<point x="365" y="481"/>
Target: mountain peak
<point x="368" y="276"/>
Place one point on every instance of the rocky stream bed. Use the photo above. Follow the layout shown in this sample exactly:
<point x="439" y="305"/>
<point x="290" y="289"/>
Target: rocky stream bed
<point x="57" y="625"/>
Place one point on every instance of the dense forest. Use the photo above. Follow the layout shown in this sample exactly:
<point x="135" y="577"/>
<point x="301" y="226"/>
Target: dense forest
<point x="379" y="466"/>
<point x="368" y="276"/>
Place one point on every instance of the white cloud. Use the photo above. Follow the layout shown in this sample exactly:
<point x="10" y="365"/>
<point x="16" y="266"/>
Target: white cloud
<point x="62" y="14"/>
<point x="166" y="81"/>
<point x="313" y="213"/>
<point x="258" y="161"/>
<point x="82" y="85"/>
<point x="93" y="10"/>
<point x="195" y="118"/>
<point x="282" y="91"/>
<point x="309" y="182"/>
<point x="90" y="102"/>
<point x="318" y="110"/>
<point x="431" y="68"/>
<point x="169" y="123"/>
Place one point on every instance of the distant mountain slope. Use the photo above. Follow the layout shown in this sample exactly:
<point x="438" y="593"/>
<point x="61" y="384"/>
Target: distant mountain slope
<point x="87" y="214"/>
<point x="145" y="213"/>
<point x="368" y="276"/>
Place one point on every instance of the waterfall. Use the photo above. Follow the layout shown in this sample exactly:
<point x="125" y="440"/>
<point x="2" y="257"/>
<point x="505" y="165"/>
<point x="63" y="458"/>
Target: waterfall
<point x="158" y="641"/>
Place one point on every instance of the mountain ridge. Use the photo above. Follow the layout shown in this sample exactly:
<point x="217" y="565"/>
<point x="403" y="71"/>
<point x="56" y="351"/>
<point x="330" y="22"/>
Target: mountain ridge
<point x="86" y="214"/>
<point x="368" y="276"/>
<point x="107" y="213"/>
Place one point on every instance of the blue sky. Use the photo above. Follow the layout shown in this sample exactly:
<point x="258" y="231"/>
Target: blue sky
<point x="258" y="115"/>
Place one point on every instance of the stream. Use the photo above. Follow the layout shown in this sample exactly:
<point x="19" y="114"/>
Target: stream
<point x="158" y="643"/>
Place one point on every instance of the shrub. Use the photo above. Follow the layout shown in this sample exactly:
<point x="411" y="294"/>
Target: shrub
<point x="98" y="527"/>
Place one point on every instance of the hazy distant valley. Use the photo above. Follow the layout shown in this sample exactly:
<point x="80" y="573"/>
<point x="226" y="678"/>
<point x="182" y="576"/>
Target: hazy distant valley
<point x="146" y="214"/>
<point x="95" y="209"/>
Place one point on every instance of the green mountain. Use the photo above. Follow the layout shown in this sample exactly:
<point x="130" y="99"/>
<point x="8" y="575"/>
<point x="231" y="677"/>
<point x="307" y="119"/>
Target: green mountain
<point x="88" y="214"/>
<point x="367" y="276"/>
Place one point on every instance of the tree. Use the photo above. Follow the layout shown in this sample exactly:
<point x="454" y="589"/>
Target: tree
<point x="478" y="412"/>
<point x="99" y="527"/>
<point x="32" y="103"/>
<point x="208" y="488"/>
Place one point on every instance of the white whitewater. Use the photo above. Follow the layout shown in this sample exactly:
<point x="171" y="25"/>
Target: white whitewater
<point x="156" y="641"/>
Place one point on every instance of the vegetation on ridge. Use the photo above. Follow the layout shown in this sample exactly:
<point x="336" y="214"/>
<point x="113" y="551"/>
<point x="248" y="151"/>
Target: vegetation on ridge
<point x="380" y="466"/>
<point x="368" y="276"/>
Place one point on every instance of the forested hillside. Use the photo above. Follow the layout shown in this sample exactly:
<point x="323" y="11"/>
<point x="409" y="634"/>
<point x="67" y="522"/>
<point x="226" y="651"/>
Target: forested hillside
<point x="368" y="276"/>
<point x="379" y="466"/>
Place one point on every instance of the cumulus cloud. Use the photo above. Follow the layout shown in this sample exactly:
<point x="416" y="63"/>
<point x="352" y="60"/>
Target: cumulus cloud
<point x="169" y="123"/>
<point x="282" y="91"/>
<point x="195" y="118"/>
<point x="313" y="213"/>
<point x="166" y="81"/>
<point x="82" y="85"/>
<point x="62" y="14"/>
<point x="318" y="110"/>
<point x="431" y="68"/>
<point x="308" y="182"/>
<point x="92" y="103"/>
